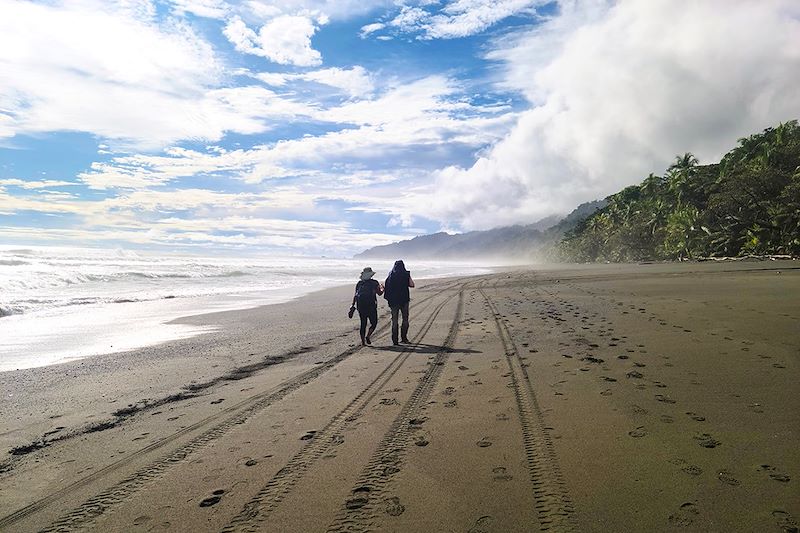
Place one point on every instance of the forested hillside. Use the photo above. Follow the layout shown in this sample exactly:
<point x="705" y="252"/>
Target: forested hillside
<point x="748" y="203"/>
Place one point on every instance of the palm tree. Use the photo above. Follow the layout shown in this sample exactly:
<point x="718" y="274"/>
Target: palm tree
<point x="680" y="174"/>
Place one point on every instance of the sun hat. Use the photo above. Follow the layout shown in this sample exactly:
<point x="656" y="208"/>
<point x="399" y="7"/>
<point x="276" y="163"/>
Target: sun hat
<point x="367" y="273"/>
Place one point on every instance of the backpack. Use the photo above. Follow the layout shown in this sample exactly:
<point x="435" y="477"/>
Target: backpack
<point x="365" y="291"/>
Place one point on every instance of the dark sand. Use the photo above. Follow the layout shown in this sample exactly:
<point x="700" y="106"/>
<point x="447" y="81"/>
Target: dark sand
<point x="581" y="398"/>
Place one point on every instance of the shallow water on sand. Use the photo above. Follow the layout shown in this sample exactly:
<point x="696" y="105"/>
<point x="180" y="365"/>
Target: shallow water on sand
<point x="59" y="304"/>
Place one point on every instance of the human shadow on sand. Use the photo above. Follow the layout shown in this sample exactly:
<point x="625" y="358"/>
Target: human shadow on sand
<point x="424" y="348"/>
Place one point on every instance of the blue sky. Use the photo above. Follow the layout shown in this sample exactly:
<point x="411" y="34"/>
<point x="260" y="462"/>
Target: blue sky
<point x="325" y="127"/>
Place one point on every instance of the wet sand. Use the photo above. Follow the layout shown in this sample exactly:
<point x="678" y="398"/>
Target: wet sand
<point x="575" y="398"/>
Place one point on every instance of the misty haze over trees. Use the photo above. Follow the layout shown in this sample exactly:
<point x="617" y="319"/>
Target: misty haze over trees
<point x="747" y="204"/>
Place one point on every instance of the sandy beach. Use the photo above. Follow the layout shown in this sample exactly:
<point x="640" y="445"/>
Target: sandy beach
<point x="652" y="397"/>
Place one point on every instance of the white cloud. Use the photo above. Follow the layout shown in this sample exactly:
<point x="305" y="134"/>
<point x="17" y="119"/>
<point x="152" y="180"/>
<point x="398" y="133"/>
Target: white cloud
<point x="114" y="73"/>
<point x="458" y="18"/>
<point x="337" y="9"/>
<point x="416" y="116"/>
<point x="35" y="184"/>
<point x="214" y="9"/>
<point x="410" y="19"/>
<point x="618" y="90"/>
<point x="371" y="28"/>
<point x="285" y="39"/>
<point x="355" y="81"/>
<point x="462" y="18"/>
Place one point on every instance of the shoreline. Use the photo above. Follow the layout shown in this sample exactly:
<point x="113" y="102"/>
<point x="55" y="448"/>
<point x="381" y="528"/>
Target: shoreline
<point x="615" y="357"/>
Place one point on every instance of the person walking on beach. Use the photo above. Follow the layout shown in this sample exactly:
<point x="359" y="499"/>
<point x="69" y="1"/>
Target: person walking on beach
<point x="365" y="300"/>
<point x="397" y="294"/>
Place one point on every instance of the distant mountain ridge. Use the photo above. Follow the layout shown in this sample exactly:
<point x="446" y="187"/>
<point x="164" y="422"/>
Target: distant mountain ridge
<point x="514" y="243"/>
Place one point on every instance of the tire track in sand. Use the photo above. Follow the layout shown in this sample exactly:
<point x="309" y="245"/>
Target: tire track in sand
<point x="258" y="509"/>
<point x="554" y="507"/>
<point x="237" y="414"/>
<point x="359" y="512"/>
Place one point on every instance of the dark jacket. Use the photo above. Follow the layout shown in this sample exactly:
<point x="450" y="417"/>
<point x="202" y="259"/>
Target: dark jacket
<point x="396" y="286"/>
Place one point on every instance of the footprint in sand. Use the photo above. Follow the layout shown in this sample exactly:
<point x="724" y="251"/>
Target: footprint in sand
<point x="394" y="507"/>
<point x="727" y="478"/>
<point x="214" y="499"/>
<point x="251" y="462"/>
<point x="638" y="432"/>
<point x="696" y="417"/>
<point x="664" y="399"/>
<point x="706" y="440"/>
<point x="774" y="474"/>
<point x="309" y="435"/>
<point x="500" y="474"/>
<point x="484" y="442"/>
<point x="482" y="525"/>
<point x="450" y="404"/>
<point x="785" y="521"/>
<point x="220" y="400"/>
<point x="666" y="419"/>
<point x="360" y="498"/>
<point x="421" y="441"/>
<point x="685" y="515"/>
<point x="141" y="520"/>
<point x="690" y="469"/>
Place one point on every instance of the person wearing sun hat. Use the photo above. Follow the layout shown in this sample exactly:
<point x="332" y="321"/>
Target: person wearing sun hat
<point x="365" y="300"/>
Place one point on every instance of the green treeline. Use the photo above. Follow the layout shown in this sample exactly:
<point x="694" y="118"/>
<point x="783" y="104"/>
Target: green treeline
<point x="747" y="204"/>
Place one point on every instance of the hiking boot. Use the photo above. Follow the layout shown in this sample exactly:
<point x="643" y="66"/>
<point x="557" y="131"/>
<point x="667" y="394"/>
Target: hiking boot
<point x="368" y="340"/>
<point x="405" y="341"/>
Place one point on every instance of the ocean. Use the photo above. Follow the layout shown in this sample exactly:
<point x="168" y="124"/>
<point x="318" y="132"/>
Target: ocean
<point x="60" y="304"/>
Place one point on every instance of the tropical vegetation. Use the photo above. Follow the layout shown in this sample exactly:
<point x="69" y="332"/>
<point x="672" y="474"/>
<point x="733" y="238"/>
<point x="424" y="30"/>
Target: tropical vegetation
<point x="747" y="204"/>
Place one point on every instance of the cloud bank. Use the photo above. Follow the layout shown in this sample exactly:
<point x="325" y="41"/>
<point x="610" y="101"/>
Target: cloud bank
<point x="616" y="91"/>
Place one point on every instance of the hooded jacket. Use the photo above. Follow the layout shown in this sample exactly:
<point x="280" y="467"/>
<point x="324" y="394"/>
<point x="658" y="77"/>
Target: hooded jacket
<point x="396" y="286"/>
